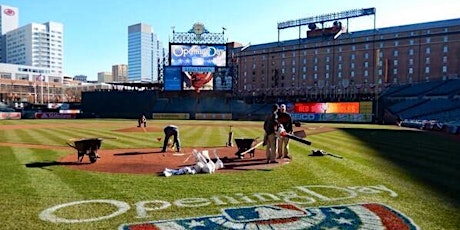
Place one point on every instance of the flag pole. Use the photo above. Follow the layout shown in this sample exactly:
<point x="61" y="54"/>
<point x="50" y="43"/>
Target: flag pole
<point x="48" y="88"/>
<point x="42" y="78"/>
<point x="35" y="89"/>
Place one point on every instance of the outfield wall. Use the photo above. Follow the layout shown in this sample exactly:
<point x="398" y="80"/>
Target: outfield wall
<point x="118" y="104"/>
<point x="157" y="105"/>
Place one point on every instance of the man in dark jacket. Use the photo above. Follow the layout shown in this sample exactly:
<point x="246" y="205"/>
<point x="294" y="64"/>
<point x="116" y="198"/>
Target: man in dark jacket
<point x="171" y="130"/>
<point x="142" y="120"/>
<point x="270" y="126"/>
<point x="284" y="118"/>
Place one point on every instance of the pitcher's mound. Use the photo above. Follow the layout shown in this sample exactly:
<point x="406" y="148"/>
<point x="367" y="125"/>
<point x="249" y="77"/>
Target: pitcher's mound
<point x="152" y="161"/>
<point x="140" y="129"/>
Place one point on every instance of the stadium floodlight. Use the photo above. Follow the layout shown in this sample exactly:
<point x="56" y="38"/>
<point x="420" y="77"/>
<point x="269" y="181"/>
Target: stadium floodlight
<point x="311" y="21"/>
<point x="246" y="46"/>
<point x="327" y="17"/>
<point x="344" y="29"/>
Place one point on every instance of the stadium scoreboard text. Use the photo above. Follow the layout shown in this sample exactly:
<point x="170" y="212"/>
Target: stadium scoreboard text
<point x="327" y="107"/>
<point x="197" y="67"/>
<point x="331" y="111"/>
<point x="198" y="55"/>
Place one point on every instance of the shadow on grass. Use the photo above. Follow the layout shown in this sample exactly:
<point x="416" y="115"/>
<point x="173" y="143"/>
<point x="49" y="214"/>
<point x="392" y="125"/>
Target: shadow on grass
<point x="134" y="153"/>
<point x="427" y="157"/>
<point x="44" y="164"/>
<point x="248" y="164"/>
<point x="244" y="164"/>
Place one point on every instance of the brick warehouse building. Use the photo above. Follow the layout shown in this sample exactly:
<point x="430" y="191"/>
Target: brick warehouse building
<point x="356" y="66"/>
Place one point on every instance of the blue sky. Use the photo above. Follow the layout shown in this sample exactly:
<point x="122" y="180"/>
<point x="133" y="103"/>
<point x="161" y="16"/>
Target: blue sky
<point x="96" y="31"/>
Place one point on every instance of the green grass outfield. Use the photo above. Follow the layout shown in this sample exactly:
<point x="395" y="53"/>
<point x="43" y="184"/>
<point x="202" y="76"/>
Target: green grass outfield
<point x="416" y="173"/>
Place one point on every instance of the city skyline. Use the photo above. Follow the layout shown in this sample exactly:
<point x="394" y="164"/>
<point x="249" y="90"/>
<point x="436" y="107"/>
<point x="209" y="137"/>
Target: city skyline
<point x="96" y="32"/>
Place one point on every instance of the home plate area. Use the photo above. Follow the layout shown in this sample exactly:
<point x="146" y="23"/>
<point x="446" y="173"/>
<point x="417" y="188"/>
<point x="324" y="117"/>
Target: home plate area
<point x="153" y="161"/>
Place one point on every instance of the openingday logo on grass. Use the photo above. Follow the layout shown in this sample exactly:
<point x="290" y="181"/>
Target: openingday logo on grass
<point x="289" y="216"/>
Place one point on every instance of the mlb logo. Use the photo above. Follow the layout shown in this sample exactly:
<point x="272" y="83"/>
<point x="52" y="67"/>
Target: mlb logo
<point x="264" y="212"/>
<point x="289" y="216"/>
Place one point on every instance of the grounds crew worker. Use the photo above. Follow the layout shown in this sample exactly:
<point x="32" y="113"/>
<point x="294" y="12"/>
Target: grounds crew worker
<point x="171" y="130"/>
<point x="142" y="120"/>
<point x="285" y="119"/>
<point x="270" y="127"/>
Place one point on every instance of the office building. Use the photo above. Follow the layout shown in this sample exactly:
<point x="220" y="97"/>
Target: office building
<point x="9" y="17"/>
<point x="103" y="77"/>
<point x="82" y="78"/>
<point x="39" y="46"/>
<point x="142" y="53"/>
<point x="119" y="73"/>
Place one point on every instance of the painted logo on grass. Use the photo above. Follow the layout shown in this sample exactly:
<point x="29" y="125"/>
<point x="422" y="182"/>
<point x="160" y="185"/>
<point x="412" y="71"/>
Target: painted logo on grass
<point x="289" y="216"/>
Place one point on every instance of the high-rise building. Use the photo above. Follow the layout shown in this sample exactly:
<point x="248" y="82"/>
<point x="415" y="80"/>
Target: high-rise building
<point x="119" y="73"/>
<point x="82" y="78"/>
<point x="142" y="53"/>
<point x="104" y="77"/>
<point x="162" y="60"/>
<point x="9" y="17"/>
<point x="39" y="45"/>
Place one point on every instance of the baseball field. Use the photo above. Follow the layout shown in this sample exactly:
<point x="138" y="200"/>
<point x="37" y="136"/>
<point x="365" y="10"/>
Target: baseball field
<point x="376" y="177"/>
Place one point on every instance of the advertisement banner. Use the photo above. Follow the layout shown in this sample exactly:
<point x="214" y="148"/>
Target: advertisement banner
<point x="44" y="115"/>
<point x="365" y="107"/>
<point x="332" y="117"/>
<point x="213" y="116"/>
<point x="326" y="107"/>
<point x="10" y="115"/>
<point x="198" y="69"/>
<point x="172" y="78"/>
<point x="171" y="116"/>
<point x="305" y="116"/>
<point x="76" y="111"/>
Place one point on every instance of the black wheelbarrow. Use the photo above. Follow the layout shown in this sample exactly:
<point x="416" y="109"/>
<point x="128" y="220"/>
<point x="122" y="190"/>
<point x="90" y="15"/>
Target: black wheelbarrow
<point x="86" y="146"/>
<point x="245" y="145"/>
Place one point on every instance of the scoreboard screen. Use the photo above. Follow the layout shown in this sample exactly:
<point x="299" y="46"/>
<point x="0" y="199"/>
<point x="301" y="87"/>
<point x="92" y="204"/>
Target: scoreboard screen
<point x="198" y="55"/>
<point x="326" y="107"/>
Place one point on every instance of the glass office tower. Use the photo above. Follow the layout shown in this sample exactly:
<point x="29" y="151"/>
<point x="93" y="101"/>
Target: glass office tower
<point x="142" y="53"/>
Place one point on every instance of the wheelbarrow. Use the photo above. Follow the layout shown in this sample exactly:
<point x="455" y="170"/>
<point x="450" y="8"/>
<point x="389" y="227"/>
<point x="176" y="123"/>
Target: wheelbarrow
<point x="86" y="146"/>
<point x="245" y="145"/>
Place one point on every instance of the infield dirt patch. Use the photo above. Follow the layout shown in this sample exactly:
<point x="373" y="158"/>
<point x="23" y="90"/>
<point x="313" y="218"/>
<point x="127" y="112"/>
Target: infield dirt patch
<point x="153" y="161"/>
